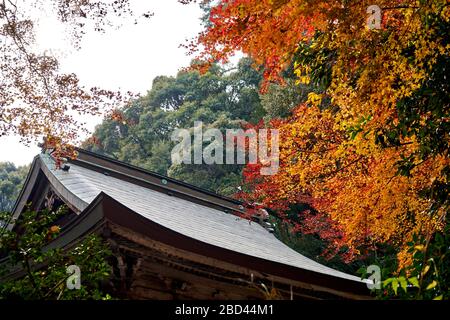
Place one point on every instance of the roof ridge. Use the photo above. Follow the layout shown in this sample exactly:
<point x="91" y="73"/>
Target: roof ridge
<point x="158" y="175"/>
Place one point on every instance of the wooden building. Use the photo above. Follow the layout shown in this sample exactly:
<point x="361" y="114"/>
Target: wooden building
<point x="172" y="240"/>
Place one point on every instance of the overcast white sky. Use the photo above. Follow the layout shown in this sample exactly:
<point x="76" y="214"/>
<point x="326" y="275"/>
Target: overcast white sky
<point x="127" y="59"/>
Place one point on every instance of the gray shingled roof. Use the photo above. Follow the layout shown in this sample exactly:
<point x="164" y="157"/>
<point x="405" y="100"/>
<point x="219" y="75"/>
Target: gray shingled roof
<point x="190" y="219"/>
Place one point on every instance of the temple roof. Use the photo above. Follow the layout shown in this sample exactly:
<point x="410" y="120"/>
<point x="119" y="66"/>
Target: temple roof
<point x="184" y="209"/>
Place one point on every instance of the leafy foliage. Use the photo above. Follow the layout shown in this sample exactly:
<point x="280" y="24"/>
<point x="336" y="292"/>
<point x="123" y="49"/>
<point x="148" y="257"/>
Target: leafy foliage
<point x="37" y="100"/>
<point x="280" y="100"/>
<point x="11" y="181"/>
<point x="45" y="268"/>
<point x="428" y="276"/>
<point x="221" y="99"/>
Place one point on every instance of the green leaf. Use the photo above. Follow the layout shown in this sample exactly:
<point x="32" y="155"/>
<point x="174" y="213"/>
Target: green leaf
<point x="403" y="283"/>
<point x="387" y="282"/>
<point x="439" y="297"/>
<point x="414" y="281"/>
<point x="395" y="285"/>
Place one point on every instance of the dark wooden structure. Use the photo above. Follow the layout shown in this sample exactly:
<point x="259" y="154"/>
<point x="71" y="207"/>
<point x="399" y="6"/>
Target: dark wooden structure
<point x="172" y="240"/>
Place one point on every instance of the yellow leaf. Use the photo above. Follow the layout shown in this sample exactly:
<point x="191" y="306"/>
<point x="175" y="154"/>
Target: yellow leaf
<point x="395" y="285"/>
<point x="431" y="285"/>
<point x="425" y="270"/>
<point x="420" y="247"/>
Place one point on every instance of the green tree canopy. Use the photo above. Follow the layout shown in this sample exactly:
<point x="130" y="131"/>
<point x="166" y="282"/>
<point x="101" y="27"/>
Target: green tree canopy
<point x="11" y="180"/>
<point x="220" y="98"/>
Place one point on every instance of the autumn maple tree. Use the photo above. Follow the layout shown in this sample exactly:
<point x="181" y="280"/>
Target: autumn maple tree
<point x="370" y="146"/>
<point x="37" y="100"/>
